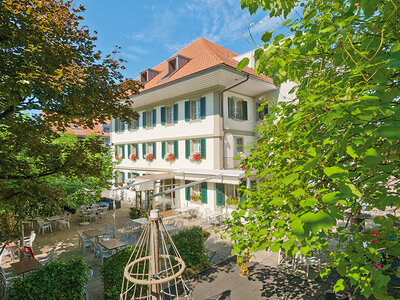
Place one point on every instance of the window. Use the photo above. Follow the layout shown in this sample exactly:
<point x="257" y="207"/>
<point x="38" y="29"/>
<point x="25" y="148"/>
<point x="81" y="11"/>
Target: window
<point x="134" y="125"/>
<point x="231" y="191"/>
<point x="261" y="114"/>
<point x="170" y="147"/>
<point x="149" y="148"/>
<point x="195" y="146"/>
<point x="170" y="114"/>
<point x="238" y="145"/>
<point x="237" y="109"/>
<point x="73" y="127"/>
<point x="133" y="149"/>
<point x="150" y="118"/>
<point x="105" y="128"/>
<point x="195" y="115"/>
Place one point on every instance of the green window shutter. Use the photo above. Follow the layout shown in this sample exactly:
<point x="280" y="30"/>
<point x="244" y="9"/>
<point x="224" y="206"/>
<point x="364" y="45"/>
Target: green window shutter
<point x="163" y="150"/>
<point x="163" y="115"/>
<point x="187" y="191"/>
<point x="115" y="125"/>
<point x="176" y="149"/>
<point x="230" y="107"/>
<point x="203" y="148"/>
<point x="187" y="111"/>
<point x="204" y="192"/>
<point x="123" y="177"/>
<point x="176" y="113"/>
<point x="129" y="175"/>
<point x="128" y="126"/>
<point x="154" y="150"/>
<point x="154" y="118"/>
<point x="220" y="194"/>
<point x="144" y="119"/>
<point x="137" y="150"/>
<point x="187" y="148"/>
<point x="137" y="124"/>
<point x="129" y="151"/>
<point x="244" y="110"/>
<point x="116" y="178"/>
<point x="143" y="150"/>
<point x="202" y="107"/>
<point x="122" y="126"/>
<point x="123" y="151"/>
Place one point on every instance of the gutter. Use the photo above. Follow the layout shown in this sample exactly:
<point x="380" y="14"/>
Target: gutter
<point x="221" y="101"/>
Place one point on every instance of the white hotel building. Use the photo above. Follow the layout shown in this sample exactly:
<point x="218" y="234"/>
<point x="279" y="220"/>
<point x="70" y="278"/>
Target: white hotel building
<point x="196" y="108"/>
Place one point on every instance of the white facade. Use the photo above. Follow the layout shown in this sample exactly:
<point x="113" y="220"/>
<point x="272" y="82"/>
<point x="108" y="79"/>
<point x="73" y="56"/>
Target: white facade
<point x="217" y="131"/>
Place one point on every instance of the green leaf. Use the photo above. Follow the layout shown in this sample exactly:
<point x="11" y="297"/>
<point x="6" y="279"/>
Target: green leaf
<point x="331" y="197"/>
<point x="339" y="286"/>
<point x="334" y="171"/>
<point x="242" y="64"/>
<point x="372" y="158"/>
<point x="266" y="37"/>
<point x="298" y="193"/>
<point x="289" y="179"/>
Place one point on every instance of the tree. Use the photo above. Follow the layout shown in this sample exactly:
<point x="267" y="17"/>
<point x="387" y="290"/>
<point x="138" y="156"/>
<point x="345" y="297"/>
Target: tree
<point x="49" y="63"/>
<point x="334" y="149"/>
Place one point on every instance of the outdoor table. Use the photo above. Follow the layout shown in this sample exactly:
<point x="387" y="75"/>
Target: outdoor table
<point x="94" y="233"/>
<point x="25" y="266"/>
<point x="141" y="221"/>
<point x="113" y="244"/>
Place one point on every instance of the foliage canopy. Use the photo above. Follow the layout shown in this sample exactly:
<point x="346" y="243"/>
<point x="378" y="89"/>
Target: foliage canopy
<point x="334" y="149"/>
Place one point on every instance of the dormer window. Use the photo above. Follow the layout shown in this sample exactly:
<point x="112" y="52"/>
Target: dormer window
<point x="148" y="75"/>
<point x="174" y="64"/>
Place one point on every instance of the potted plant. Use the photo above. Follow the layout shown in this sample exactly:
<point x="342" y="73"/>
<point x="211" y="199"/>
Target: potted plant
<point x="143" y="214"/>
<point x="170" y="157"/>
<point x="195" y="197"/>
<point x="133" y="157"/>
<point x="196" y="157"/>
<point x="134" y="213"/>
<point x="120" y="183"/>
<point x="149" y="157"/>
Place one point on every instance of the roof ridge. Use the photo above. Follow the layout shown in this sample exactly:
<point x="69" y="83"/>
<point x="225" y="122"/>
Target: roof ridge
<point x="210" y="50"/>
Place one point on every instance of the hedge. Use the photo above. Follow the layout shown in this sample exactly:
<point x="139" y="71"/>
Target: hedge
<point x="58" y="279"/>
<point x="190" y="245"/>
<point x="112" y="273"/>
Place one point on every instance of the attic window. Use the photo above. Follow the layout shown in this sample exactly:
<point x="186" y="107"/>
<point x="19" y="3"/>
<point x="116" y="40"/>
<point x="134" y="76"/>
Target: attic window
<point x="174" y="64"/>
<point x="148" y="75"/>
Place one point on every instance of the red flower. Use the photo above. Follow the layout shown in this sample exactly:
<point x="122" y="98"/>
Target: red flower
<point x="149" y="157"/>
<point x="133" y="157"/>
<point x="375" y="233"/>
<point x="120" y="183"/>
<point x="117" y="157"/>
<point x="197" y="157"/>
<point x="170" y="157"/>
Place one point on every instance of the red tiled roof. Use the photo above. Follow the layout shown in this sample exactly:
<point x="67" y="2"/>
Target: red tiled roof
<point x="203" y="54"/>
<point x="84" y="131"/>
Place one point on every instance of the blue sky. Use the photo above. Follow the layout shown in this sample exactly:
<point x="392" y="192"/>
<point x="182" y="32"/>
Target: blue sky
<point x="150" y="31"/>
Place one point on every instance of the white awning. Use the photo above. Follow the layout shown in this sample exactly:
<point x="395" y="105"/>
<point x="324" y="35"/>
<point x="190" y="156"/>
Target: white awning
<point x="227" y="176"/>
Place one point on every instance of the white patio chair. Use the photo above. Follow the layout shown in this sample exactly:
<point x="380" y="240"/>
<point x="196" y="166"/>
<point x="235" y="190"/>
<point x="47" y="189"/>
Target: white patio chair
<point x="110" y="235"/>
<point x="179" y="224"/>
<point x="100" y="253"/>
<point x="43" y="226"/>
<point x="84" y="242"/>
<point x="195" y="212"/>
<point x="48" y="258"/>
<point x="206" y="212"/>
<point x="6" y="252"/>
<point x="65" y="221"/>
<point x="28" y="241"/>
<point x="87" y="284"/>
<point x="5" y="283"/>
<point x="92" y="214"/>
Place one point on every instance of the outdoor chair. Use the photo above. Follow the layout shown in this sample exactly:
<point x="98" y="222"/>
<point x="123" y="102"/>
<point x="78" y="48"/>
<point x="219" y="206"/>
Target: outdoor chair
<point x="90" y="273"/>
<point x="195" y="212"/>
<point x="179" y="224"/>
<point x="100" y="253"/>
<point x="92" y="214"/>
<point x="186" y="214"/>
<point x="6" y="282"/>
<point x="65" y="221"/>
<point x="105" y="229"/>
<point x="43" y="226"/>
<point x="171" y="222"/>
<point x="48" y="258"/>
<point x="124" y="238"/>
<point x="110" y="235"/>
<point x="206" y="212"/>
<point x="95" y="206"/>
<point x="102" y="211"/>
<point x="28" y="241"/>
<point x="84" y="242"/>
<point x="6" y="252"/>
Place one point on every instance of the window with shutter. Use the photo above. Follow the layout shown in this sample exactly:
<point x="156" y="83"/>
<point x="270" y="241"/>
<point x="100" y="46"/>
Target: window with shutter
<point x="122" y="126"/>
<point x="123" y="151"/>
<point x="187" y="111"/>
<point x="202" y="107"/>
<point x="187" y="192"/>
<point x="163" y="115"/>
<point x="144" y="150"/>
<point x="244" y="110"/>
<point x="176" y="149"/>
<point x="129" y="150"/>
<point x="187" y="148"/>
<point x="176" y="113"/>
<point x="220" y="194"/>
<point x="154" y="119"/>
<point x="203" y="148"/>
<point x="144" y="119"/>
<point x="163" y="152"/>
<point x="154" y="150"/>
<point x="204" y="192"/>
<point x="230" y="107"/>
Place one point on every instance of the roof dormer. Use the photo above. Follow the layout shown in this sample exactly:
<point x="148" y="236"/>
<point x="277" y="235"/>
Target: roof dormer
<point x="147" y="75"/>
<point x="175" y="63"/>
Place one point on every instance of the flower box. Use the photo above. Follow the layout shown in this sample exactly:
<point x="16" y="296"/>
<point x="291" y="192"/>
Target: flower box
<point x="195" y="157"/>
<point x="195" y="197"/>
<point x="118" y="157"/>
<point x="133" y="157"/>
<point x="232" y="201"/>
<point x="149" y="157"/>
<point x="170" y="157"/>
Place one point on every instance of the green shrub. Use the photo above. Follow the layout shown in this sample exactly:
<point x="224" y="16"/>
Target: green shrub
<point x="190" y="244"/>
<point x="112" y="273"/>
<point x="58" y="279"/>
